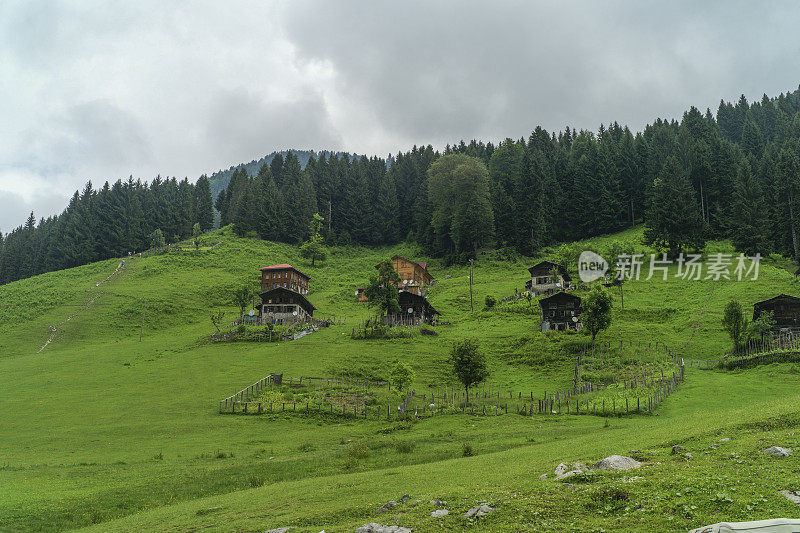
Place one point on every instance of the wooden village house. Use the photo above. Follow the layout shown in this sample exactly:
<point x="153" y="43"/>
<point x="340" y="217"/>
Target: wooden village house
<point x="414" y="309"/>
<point x="785" y="310"/>
<point x="414" y="277"/>
<point x="283" y="293"/>
<point x="561" y="311"/>
<point x="547" y="277"/>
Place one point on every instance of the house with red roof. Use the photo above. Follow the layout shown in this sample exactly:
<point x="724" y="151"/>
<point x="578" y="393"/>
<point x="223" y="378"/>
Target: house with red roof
<point x="283" y="290"/>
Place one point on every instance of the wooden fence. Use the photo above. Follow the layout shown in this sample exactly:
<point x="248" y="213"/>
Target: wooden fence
<point x="452" y="402"/>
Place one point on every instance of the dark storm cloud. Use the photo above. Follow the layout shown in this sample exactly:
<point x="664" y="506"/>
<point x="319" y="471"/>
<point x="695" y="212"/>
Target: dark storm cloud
<point x="96" y="91"/>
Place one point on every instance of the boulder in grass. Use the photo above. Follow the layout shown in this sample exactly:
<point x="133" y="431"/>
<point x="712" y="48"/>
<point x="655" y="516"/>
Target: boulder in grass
<point x="438" y="513"/>
<point x="388" y="506"/>
<point x="560" y="469"/>
<point x="278" y="530"/>
<point x="478" y="511"/>
<point x="777" y="451"/>
<point x="678" y="449"/>
<point x="775" y="525"/>
<point x="569" y="475"/>
<point x="791" y="495"/>
<point x="372" y="527"/>
<point x="616" y="462"/>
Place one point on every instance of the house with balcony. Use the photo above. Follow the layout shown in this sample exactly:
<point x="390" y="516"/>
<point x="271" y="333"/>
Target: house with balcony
<point x="283" y="300"/>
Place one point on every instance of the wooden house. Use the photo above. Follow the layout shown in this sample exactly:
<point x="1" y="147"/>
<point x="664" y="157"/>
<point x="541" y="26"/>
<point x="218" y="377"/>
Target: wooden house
<point x="284" y="277"/>
<point x="547" y="277"/>
<point x="785" y="310"/>
<point x="360" y="296"/>
<point x="414" y="309"/>
<point x="561" y="311"/>
<point x="284" y="306"/>
<point x="414" y="277"/>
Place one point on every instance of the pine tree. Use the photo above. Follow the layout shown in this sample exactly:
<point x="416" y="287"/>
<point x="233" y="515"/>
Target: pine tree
<point x="204" y="205"/>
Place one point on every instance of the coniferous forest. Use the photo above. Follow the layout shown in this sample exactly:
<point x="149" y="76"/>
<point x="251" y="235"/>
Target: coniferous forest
<point x="734" y="174"/>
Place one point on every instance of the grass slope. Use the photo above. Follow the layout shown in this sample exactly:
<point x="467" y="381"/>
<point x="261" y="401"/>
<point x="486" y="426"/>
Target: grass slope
<point x="100" y="428"/>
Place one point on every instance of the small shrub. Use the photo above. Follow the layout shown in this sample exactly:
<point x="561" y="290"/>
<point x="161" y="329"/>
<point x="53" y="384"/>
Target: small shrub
<point x="358" y="450"/>
<point x="241" y="329"/>
<point x="158" y="457"/>
<point x="405" y="446"/>
<point x="223" y="455"/>
<point x="490" y="301"/>
<point x="306" y="447"/>
<point x="466" y="450"/>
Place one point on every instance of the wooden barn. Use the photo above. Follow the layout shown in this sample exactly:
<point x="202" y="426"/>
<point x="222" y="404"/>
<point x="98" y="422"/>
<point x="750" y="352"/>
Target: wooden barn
<point x="284" y="306"/>
<point x="414" y="309"/>
<point x="414" y="277"/>
<point x="785" y="310"/>
<point x="547" y="277"/>
<point x="561" y="311"/>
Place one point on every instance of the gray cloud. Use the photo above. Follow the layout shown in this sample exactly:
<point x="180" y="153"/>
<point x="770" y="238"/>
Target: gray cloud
<point x="96" y="91"/>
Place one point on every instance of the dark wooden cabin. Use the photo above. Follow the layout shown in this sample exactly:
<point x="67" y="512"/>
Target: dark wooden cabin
<point x="561" y="312"/>
<point x="414" y="309"/>
<point x="284" y="306"/>
<point x="543" y="280"/>
<point x="785" y="310"/>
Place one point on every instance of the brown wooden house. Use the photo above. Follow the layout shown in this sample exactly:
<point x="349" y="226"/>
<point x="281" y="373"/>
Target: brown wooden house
<point x="285" y="277"/>
<point x="547" y="277"/>
<point x="785" y="310"/>
<point x="561" y="311"/>
<point x="414" y="309"/>
<point x="414" y="277"/>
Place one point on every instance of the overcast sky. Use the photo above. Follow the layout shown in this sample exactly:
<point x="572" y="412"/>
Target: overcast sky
<point x="100" y="91"/>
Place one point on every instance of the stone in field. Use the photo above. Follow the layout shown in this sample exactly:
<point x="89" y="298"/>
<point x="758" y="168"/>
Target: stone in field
<point x="777" y="451"/>
<point x="616" y="462"/>
<point x="478" y="510"/>
<point x="388" y="506"/>
<point x="372" y="527"/>
<point x="438" y="513"/>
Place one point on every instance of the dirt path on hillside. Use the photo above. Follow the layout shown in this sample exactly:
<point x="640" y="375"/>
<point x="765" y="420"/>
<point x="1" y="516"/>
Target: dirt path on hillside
<point x="54" y="329"/>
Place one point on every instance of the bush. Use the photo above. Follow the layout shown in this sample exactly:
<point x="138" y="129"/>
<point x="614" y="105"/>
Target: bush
<point x="466" y="450"/>
<point x="358" y="450"/>
<point x="405" y="446"/>
<point x="490" y="301"/>
<point x="306" y="447"/>
<point x="241" y="329"/>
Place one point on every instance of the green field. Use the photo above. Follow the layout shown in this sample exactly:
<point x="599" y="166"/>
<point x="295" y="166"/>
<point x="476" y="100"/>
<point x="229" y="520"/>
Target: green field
<point x="99" y="429"/>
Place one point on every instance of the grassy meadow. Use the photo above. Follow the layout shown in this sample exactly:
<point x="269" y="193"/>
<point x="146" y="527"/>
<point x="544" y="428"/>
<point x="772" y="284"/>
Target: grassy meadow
<point x="101" y="430"/>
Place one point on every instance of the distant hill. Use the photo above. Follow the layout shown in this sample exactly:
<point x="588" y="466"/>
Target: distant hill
<point x="219" y="180"/>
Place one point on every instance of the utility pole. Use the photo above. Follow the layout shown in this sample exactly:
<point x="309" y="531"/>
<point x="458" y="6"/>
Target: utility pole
<point x="144" y="309"/>
<point x="471" y="308"/>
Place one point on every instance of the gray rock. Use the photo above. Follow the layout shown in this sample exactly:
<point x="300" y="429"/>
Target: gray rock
<point x="791" y="495"/>
<point x="777" y="451"/>
<point x="478" y="511"/>
<point x="579" y="466"/>
<point x="560" y="469"/>
<point x="278" y="530"/>
<point x="388" y="506"/>
<point x="725" y="439"/>
<point x="678" y="449"/>
<point x="405" y="498"/>
<point x="688" y="456"/>
<point x="616" y="462"/>
<point x="567" y="475"/>
<point x="438" y="513"/>
<point x="436" y="503"/>
<point x="372" y="527"/>
<point x="543" y="476"/>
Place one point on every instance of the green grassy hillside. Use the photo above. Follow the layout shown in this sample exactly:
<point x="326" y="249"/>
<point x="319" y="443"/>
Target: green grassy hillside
<point x="100" y="428"/>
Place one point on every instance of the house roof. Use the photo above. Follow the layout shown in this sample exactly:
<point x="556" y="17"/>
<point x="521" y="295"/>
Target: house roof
<point x="778" y="297"/>
<point x="551" y="264"/>
<point x="302" y="300"/>
<point x="284" y="266"/>
<point x="560" y="296"/>
<point x="409" y="298"/>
